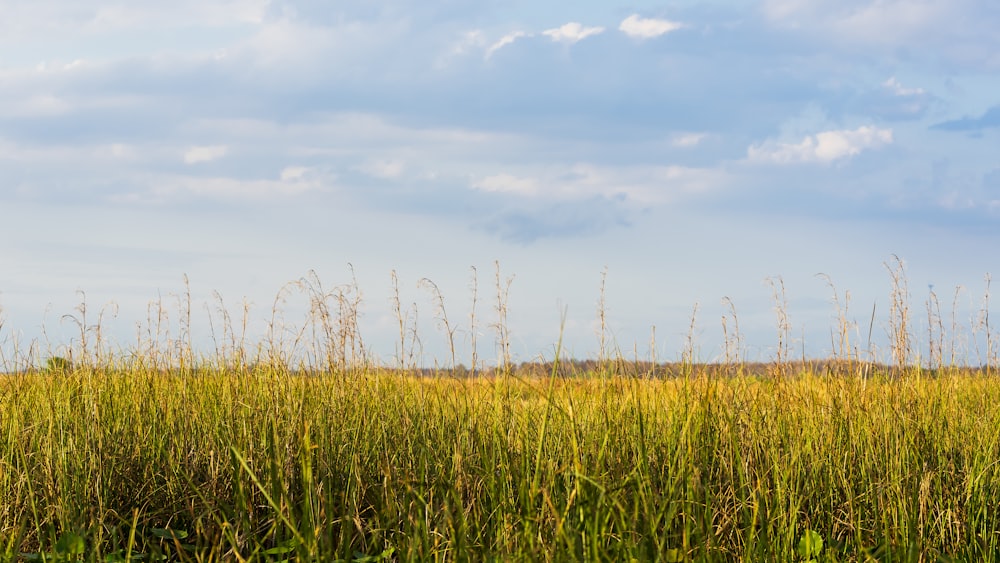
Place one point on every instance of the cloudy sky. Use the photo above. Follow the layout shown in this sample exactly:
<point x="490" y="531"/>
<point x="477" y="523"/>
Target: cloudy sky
<point x="691" y="149"/>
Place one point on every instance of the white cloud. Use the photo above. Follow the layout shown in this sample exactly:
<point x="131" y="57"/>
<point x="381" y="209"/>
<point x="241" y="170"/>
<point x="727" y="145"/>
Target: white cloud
<point x="40" y="105"/>
<point x="647" y="28"/>
<point x="67" y="155"/>
<point x="383" y="168"/>
<point x="867" y="21"/>
<point x="896" y="88"/>
<point x="56" y="14"/>
<point x="291" y="45"/>
<point x="687" y="140"/>
<point x="235" y="189"/>
<point x="198" y="154"/>
<point x="116" y="151"/>
<point x="824" y="147"/>
<point x="506" y="183"/>
<point x="469" y="40"/>
<point x="504" y="41"/>
<point x="292" y="181"/>
<point x="294" y="173"/>
<point x="572" y="32"/>
<point x="785" y="11"/>
<point x="893" y="20"/>
<point x="631" y="185"/>
<point x="896" y="101"/>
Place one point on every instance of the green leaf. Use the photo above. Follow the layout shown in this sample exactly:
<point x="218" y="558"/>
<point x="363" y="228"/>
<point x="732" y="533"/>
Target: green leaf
<point x="167" y="533"/>
<point x="118" y="557"/>
<point x="363" y="558"/>
<point x="286" y="546"/>
<point x="673" y="556"/>
<point x="810" y="545"/>
<point x="70" y="544"/>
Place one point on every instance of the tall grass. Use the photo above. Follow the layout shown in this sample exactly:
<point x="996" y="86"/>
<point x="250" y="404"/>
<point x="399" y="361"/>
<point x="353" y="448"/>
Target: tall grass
<point x="249" y="455"/>
<point x="436" y="468"/>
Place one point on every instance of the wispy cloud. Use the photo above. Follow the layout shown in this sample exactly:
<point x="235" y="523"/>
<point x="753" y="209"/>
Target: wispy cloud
<point x="954" y="32"/>
<point x="898" y="89"/>
<point x="888" y="100"/>
<point x="506" y="183"/>
<point x="385" y="168"/>
<point x="194" y="155"/>
<point x="102" y="17"/>
<point x="647" y="28"/>
<point x="572" y="32"/>
<point x="824" y="147"/>
<point x="896" y="101"/>
<point x="878" y="21"/>
<point x="39" y="105"/>
<point x="634" y="187"/>
<point x="688" y="140"/>
<point x="173" y="189"/>
<point x="504" y="41"/>
<point x="469" y="40"/>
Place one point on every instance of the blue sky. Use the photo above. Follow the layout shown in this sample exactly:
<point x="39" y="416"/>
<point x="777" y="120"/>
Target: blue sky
<point x="693" y="149"/>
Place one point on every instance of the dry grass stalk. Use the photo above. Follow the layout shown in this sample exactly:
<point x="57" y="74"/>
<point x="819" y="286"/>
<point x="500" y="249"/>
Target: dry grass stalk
<point x="186" y="340"/>
<point x="732" y="342"/>
<point x="398" y="310"/>
<point x="442" y="316"/>
<point x="416" y="353"/>
<point x="983" y="325"/>
<point x="474" y="359"/>
<point x="501" y="327"/>
<point x="784" y="326"/>
<point x="652" y="351"/>
<point x="954" y="341"/>
<point x="935" y="331"/>
<point x="602" y="320"/>
<point x="688" y="355"/>
<point x="899" y="315"/>
<point x="842" y="341"/>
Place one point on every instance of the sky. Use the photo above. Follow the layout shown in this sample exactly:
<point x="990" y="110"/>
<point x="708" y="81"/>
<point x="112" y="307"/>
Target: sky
<point x="681" y="154"/>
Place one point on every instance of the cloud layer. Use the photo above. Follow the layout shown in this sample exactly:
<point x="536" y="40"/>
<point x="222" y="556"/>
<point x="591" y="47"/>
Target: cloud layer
<point x="514" y="126"/>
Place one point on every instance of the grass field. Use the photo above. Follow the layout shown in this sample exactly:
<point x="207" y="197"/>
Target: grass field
<point x="271" y="465"/>
<point x="122" y="458"/>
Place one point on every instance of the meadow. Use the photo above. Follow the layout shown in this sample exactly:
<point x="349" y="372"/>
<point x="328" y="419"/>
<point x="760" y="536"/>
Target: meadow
<point x="155" y="454"/>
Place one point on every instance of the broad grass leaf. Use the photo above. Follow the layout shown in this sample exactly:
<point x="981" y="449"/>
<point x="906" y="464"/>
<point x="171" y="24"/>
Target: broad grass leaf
<point x="810" y="545"/>
<point x="167" y="533"/>
<point x="673" y="556"/>
<point x="70" y="544"/>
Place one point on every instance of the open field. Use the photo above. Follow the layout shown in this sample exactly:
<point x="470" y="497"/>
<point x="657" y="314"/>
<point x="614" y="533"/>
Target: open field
<point x="270" y="465"/>
<point x="301" y="448"/>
